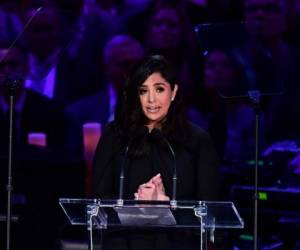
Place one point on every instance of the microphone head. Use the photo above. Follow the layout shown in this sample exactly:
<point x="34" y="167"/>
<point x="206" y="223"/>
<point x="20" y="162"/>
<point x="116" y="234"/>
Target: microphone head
<point x="13" y="80"/>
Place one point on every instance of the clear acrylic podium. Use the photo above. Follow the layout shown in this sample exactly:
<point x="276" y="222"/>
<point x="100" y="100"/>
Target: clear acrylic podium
<point x="99" y="214"/>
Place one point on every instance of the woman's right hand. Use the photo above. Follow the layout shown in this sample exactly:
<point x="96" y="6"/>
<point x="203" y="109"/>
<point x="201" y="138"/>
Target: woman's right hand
<point x="152" y="190"/>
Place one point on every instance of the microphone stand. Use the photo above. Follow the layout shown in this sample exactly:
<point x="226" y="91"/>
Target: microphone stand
<point x="255" y="99"/>
<point x="120" y="201"/>
<point x="254" y="96"/>
<point x="12" y="85"/>
<point x="173" y="201"/>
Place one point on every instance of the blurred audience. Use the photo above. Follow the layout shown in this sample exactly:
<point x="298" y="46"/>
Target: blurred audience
<point x="270" y="64"/>
<point x="165" y="29"/>
<point x="32" y="111"/>
<point x="85" y="35"/>
<point x="121" y="53"/>
<point x="89" y="25"/>
<point x="52" y="72"/>
<point x="222" y="110"/>
<point x="10" y="22"/>
<point x="115" y="12"/>
<point x="293" y="20"/>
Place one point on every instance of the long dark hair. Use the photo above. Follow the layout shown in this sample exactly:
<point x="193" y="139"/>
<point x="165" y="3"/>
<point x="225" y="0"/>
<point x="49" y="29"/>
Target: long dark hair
<point x="129" y="116"/>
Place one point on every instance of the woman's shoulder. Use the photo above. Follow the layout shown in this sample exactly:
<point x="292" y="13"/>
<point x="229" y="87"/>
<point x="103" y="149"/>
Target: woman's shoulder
<point x="110" y="129"/>
<point x="110" y="136"/>
<point x="197" y="138"/>
<point x="195" y="131"/>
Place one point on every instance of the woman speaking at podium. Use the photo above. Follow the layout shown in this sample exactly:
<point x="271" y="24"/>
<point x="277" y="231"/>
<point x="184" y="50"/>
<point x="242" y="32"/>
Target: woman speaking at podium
<point x="151" y="142"/>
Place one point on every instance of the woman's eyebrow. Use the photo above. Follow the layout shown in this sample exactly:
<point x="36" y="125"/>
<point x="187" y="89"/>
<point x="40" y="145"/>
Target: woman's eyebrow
<point x="155" y="84"/>
<point x="160" y="83"/>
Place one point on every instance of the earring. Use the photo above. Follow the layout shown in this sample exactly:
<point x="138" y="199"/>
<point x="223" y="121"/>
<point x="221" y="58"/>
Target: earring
<point x="172" y="99"/>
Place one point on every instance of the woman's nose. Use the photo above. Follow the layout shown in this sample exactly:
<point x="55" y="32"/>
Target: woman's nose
<point x="151" y="96"/>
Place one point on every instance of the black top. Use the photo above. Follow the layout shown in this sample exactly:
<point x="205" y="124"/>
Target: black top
<point x="196" y="163"/>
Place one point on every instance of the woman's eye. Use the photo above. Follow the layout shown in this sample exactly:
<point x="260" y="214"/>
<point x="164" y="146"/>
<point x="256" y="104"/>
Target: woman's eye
<point x="160" y="89"/>
<point x="142" y="91"/>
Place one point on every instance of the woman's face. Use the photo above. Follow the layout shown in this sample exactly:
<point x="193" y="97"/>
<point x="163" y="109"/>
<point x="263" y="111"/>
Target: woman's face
<point x="156" y="96"/>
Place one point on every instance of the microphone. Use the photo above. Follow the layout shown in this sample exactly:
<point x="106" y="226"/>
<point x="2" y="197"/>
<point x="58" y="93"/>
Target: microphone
<point x="10" y="83"/>
<point x="120" y="201"/>
<point x="140" y="132"/>
<point x="158" y="134"/>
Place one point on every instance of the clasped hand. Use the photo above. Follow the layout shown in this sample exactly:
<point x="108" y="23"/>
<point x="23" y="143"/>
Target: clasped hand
<point x="152" y="190"/>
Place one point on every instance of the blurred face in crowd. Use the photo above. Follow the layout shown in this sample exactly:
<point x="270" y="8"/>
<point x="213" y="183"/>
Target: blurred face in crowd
<point x="156" y="96"/>
<point x="121" y="60"/>
<point x="265" y="18"/>
<point x="297" y="6"/>
<point x="218" y="71"/>
<point x="12" y="64"/>
<point x="165" y="30"/>
<point x="43" y="33"/>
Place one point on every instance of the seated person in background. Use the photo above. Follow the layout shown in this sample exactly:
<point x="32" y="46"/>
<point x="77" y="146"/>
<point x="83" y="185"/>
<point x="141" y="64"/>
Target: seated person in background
<point x="272" y="66"/>
<point x="52" y="72"/>
<point x="229" y="119"/>
<point x="231" y="122"/>
<point x="149" y="110"/>
<point x="32" y="111"/>
<point x="120" y="54"/>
